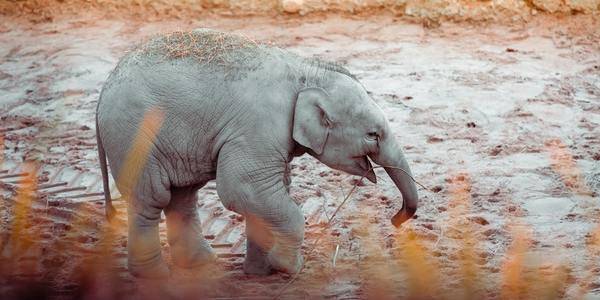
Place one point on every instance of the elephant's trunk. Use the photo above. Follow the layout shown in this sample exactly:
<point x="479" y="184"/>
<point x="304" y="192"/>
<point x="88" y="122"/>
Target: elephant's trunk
<point x="392" y="159"/>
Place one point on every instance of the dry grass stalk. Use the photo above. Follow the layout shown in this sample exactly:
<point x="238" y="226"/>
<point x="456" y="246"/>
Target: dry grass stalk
<point x="422" y="271"/>
<point x="460" y="208"/>
<point x="547" y="282"/>
<point x="378" y="270"/>
<point x="1" y="149"/>
<point x="593" y="249"/>
<point x="563" y="163"/>
<point x="513" y="283"/>
<point x="20" y="240"/>
<point x="139" y="151"/>
<point x="20" y="255"/>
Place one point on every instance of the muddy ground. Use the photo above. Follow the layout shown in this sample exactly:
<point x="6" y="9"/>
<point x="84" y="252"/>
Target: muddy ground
<point x="499" y="122"/>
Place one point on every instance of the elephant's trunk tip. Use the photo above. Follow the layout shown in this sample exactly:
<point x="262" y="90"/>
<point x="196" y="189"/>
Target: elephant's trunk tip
<point x="403" y="215"/>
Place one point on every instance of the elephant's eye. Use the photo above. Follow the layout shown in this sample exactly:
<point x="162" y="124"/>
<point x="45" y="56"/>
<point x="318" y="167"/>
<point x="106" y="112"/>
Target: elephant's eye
<point x="373" y="135"/>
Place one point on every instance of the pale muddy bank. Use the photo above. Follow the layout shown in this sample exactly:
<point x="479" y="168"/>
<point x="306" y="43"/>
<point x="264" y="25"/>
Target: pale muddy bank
<point x="431" y="13"/>
<point x="499" y="122"/>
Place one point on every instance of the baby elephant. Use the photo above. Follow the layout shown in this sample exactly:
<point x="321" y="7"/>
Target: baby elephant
<point x="238" y="112"/>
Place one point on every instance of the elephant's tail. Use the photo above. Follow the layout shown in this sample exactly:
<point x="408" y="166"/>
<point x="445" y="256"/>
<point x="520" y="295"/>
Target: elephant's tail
<point x="108" y="207"/>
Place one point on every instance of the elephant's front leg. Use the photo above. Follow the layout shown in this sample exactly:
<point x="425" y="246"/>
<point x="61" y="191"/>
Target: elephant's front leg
<point x="189" y="249"/>
<point x="274" y="223"/>
<point x="256" y="261"/>
<point x="274" y="238"/>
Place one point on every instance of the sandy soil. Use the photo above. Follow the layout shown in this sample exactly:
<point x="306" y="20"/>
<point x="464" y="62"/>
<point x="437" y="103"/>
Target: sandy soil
<point x="500" y="123"/>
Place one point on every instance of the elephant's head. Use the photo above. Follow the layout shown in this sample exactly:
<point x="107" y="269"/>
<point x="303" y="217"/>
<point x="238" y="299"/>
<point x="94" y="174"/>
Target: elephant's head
<point x="344" y="128"/>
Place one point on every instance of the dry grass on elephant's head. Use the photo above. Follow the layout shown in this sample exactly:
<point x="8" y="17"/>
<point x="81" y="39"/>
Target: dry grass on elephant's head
<point x="205" y="46"/>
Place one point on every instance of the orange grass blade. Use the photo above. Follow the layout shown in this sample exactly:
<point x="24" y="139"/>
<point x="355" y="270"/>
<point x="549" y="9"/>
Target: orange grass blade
<point x="550" y="282"/>
<point x="1" y="149"/>
<point x="139" y="151"/>
<point x="512" y="269"/>
<point x="593" y="248"/>
<point x="99" y="269"/>
<point x="422" y="271"/>
<point x="562" y="162"/>
<point x="20" y="239"/>
<point x="460" y="190"/>
<point x="375" y="266"/>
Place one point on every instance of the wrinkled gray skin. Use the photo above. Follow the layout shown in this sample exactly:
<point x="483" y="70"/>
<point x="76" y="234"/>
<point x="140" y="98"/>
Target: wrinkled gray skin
<point x="243" y="131"/>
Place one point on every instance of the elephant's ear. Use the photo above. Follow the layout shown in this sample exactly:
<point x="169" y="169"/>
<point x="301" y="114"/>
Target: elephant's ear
<point x="311" y="124"/>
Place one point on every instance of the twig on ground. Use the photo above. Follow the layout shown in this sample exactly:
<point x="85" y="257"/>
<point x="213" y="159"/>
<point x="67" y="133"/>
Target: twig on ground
<point x="439" y="237"/>
<point x="337" y="249"/>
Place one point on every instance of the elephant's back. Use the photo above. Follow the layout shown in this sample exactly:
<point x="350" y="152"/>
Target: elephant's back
<point x="185" y="62"/>
<point x="205" y="50"/>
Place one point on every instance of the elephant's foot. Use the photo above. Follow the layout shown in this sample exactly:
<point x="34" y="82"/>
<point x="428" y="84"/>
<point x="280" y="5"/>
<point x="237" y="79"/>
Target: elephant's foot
<point x="256" y="262"/>
<point x="285" y="260"/>
<point x="257" y="267"/>
<point x="193" y="258"/>
<point x="144" y="253"/>
<point x="156" y="269"/>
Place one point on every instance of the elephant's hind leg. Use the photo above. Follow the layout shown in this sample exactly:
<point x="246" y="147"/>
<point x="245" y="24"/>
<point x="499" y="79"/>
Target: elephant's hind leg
<point x="144" y="250"/>
<point x="189" y="249"/>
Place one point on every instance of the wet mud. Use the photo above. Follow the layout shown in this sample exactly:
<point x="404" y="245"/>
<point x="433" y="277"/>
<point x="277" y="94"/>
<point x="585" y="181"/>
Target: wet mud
<point x="499" y="122"/>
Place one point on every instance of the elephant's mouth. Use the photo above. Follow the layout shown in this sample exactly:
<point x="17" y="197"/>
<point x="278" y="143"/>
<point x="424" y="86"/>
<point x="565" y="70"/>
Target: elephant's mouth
<point x="366" y="169"/>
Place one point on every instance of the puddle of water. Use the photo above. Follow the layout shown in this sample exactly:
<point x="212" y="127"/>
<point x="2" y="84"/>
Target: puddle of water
<point x="549" y="206"/>
<point x="528" y="161"/>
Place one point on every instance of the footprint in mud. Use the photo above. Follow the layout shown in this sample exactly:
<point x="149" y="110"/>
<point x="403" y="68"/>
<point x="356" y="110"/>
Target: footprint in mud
<point x="592" y="180"/>
<point x="434" y="139"/>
